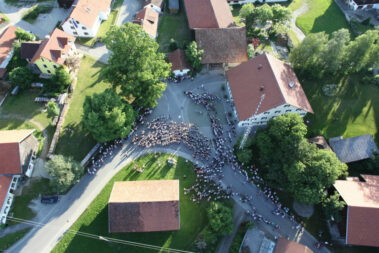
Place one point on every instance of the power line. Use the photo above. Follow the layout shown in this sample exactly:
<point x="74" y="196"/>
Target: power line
<point x="103" y="238"/>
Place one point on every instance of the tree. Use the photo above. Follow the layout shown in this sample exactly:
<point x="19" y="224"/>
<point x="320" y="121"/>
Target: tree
<point x="246" y="10"/>
<point x="24" y="35"/>
<point x="16" y="60"/>
<point x="21" y="76"/>
<point x="59" y="82"/>
<point x="135" y="67"/>
<point x="220" y="218"/>
<point x="107" y="117"/>
<point x="287" y="160"/>
<point x="262" y="14"/>
<point x="194" y="56"/>
<point x="52" y="109"/>
<point x="65" y="172"/>
<point x="332" y="206"/>
<point x="280" y="14"/>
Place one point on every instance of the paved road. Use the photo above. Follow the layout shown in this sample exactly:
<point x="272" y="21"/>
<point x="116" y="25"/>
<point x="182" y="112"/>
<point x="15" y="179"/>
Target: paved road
<point x="301" y="10"/>
<point x="98" y="52"/>
<point x="62" y="215"/>
<point x="128" y="10"/>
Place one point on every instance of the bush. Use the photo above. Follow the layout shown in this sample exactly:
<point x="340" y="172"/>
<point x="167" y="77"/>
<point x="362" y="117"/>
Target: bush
<point x="173" y="45"/>
<point x="52" y="109"/>
<point x="32" y="14"/>
<point x="366" y="21"/>
<point x="220" y="218"/>
<point x="24" y="35"/>
<point x="16" y="60"/>
<point x="59" y="82"/>
<point x="21" y="76"/>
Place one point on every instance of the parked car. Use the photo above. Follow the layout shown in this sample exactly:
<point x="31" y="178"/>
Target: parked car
<point x="49" y="199"/>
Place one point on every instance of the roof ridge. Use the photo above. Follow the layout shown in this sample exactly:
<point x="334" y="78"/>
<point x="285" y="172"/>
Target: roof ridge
<point x="214" y="13"/>
<point x="276" y="78"/>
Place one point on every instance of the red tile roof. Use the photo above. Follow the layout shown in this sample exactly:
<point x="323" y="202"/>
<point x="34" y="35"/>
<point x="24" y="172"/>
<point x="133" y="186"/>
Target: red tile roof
<point x="274" y="75"/>
<point x="4" y="186"/>
<point x="208" y="14"/>
<point x="144" y="206"/>
<point x="286" y="246"/>
<point x="362" y="199"/>
<point x="52" y="47"/>
<point x="178" y="60"/>
<point x="148" y="19"/>
<point x="87" y="11"/>
<point x="6" y="44"/>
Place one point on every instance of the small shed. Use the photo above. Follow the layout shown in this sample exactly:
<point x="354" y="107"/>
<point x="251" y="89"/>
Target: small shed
<point x="179" y="63"/>
<point x="173" y="6"/>
<point x="353" y="149"/>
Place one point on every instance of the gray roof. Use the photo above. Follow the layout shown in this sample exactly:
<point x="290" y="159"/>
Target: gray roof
<point x="173" y="4"/>
<point x="353" y="149"/>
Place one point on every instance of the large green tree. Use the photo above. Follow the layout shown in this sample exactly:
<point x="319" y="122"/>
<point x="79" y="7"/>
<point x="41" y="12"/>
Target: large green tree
<point x="21" y="76"/>
<point x="332" y="206"/>
<point x="290" y="162"/>
<point x="135" y="65"/>
<point x="220" y="218"/>
<point x="280" y="14"/>
<point x="107" y="117"/>
<point x="65" y="171"/>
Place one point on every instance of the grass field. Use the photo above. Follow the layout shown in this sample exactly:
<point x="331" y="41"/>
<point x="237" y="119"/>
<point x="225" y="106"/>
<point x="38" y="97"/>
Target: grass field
<point x="95" y="219"/>
<point x="78" y="142"/>
<point x="323" y="15"/>
<point x="354" y="111"/>
<point x="173" y="26"/>
<point x="8" y="240"/>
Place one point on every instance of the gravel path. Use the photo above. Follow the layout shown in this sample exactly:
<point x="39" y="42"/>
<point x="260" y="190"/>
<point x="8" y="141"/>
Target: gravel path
<point x="303" y="9"/>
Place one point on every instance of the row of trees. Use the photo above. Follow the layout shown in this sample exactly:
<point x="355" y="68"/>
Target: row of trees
<point x="320" y="54"/>
<point x="288" y="161"/>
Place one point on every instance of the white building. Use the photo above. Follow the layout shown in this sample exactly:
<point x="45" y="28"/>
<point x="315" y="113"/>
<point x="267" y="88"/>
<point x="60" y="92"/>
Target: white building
<point x="85" y="18"/>
<point x="255" y="1"/>
<point x="6" y="48"/>
<point x="275" y="79"/>
<point x="363" y="4"/>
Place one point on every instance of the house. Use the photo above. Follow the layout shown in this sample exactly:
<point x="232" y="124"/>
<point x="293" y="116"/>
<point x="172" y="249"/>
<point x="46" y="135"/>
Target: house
<point x="16" y="150"/>
<point x="222" y="45"/>
<point x="173" y="6"/>
<point x="363" y="4"/>
<point x="144" y="206"/>
<point x="29" y="49"/>
<point x="362" y="216"/>
<point x="179" y="63"/>
<point x="208" y="14"/>
<point x="255" y="1"/>
<point x="85" y="18"/>
<point x="320" y="142"/>
<point x="148" y="18"/>
<point x="284" y="245"/>
<point x="353" y="149"/>
<point x="266" y="75"/>
<point x="6" y="48"/>
<point x="157" y="5"/>
<point x="53" y="51"/>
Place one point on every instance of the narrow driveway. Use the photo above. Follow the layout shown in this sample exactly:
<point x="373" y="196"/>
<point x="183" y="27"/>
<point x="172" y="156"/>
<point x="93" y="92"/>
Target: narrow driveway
<point x="128" y="10"/>
<point x="98" y="52"/>
<point x="303" y="9"/>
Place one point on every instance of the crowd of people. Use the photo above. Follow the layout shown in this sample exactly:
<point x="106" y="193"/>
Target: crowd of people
<point x="105" y="150"/>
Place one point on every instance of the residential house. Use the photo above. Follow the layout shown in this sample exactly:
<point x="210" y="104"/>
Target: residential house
<point x="353" y="149"/>
<point x="16" y="151"/>
<point x="284" y="245"/>
<point x="53" y="51"/>
<point x="179" y="63"/>
<point x="268" y="76"/>
<point x="362" y="212"/>
<point x="29" y="49"/>
<point x="173" y="6"/>
<point x="363" y="4"/>
<point x="85" y="17"/>
<point x="148" y="18"/>
<point x="6" y="48"/>
<point x="157" y="5"/>
<point x="255" y="1"/>
<point x="144" y="206"/>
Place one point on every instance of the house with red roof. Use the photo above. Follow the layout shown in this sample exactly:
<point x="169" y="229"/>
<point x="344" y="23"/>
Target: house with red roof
<point x="85" y="17"/>
<point x="148" y="19"/>
<point x="271" y="78"/>
<point x="17" y="148"/>
<point x="179" y="63"/>
<point x="362" y="215"/>
<point x="144" y="206"/>
<point x="6" y="48"/>
<point x="284" y="245"/>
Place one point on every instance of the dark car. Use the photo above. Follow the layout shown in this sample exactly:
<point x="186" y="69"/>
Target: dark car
<point x="49" y="199"/>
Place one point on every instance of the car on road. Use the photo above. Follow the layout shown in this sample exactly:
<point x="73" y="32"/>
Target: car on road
<point x="49" y="199"/>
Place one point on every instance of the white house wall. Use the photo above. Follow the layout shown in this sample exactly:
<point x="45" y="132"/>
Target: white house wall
<point x="4" y="64"/>
<point x="254" y="1"/>
<point x="82" y="30"/>
<point x="354" y="6"/>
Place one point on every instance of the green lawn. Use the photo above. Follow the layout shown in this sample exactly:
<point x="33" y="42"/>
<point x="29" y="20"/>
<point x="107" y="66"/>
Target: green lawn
<point x="10" y="239"/>
<point x="95" y="219"/>
<point x="173" y="26"/>
<point x="323" y="15"/>
<point x="104" y="28"/>
<point x="79" y="142"/>
<point x="354" y="111"/>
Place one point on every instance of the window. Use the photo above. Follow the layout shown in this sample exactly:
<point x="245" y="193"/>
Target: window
<point x="55" y="66"/>
<point x="266" y="113"/>
<point x="288" y="110"/>
<point x="72" y="28"/>
<point x="45" y="65"/>
<point x="42" y="59"/>
<point x="277" y="111"/>
<point x="298" y="110"/>
<point x="70" y="22"/>
<point x="75" y="33"/>
<point x="48" y="71"/>
<point x="264" y="118"/>
<point x="286" y="106"/>
<point x="84" y="28"/>
<point x="86" y="33"/>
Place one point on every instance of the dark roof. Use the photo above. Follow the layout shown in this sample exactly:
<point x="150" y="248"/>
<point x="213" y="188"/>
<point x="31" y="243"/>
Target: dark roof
<point x="144" y="206"/>
<point x="246" y="80"/>
<point x="320" y="141"/>
<point x="365" y="2"/>
<point x="28" y="49"/>
<point x="225" y="45"/>
<point x="362" y="199"/>
<point x="353" y="149"/>
<point x="178" y="60"/>
<point x="173" y="4"/>
<point x="287" y="246"/>
<point x="208" y="14"/>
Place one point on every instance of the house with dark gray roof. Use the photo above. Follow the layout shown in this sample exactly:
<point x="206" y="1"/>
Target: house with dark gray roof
<point x="353" y="149"/>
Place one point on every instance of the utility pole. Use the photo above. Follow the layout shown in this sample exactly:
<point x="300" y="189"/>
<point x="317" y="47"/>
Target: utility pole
<point x="248" y="129"/>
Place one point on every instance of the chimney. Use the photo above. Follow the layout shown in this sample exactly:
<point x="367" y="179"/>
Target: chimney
<point x="260" y="66"/>
<point x="47" y="37"/>
<point x="261" y="88"/>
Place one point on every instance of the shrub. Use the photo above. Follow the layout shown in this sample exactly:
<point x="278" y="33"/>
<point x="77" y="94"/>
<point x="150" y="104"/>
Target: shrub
<point x="24" y="35"/>
<point x="173" y="45"/>
<point x="21" y="76"/>
<point x="52" y="109"/>
<point x="32" y="14"/>
<point x="59" y="82"/>
<point x="366" y="21"/>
